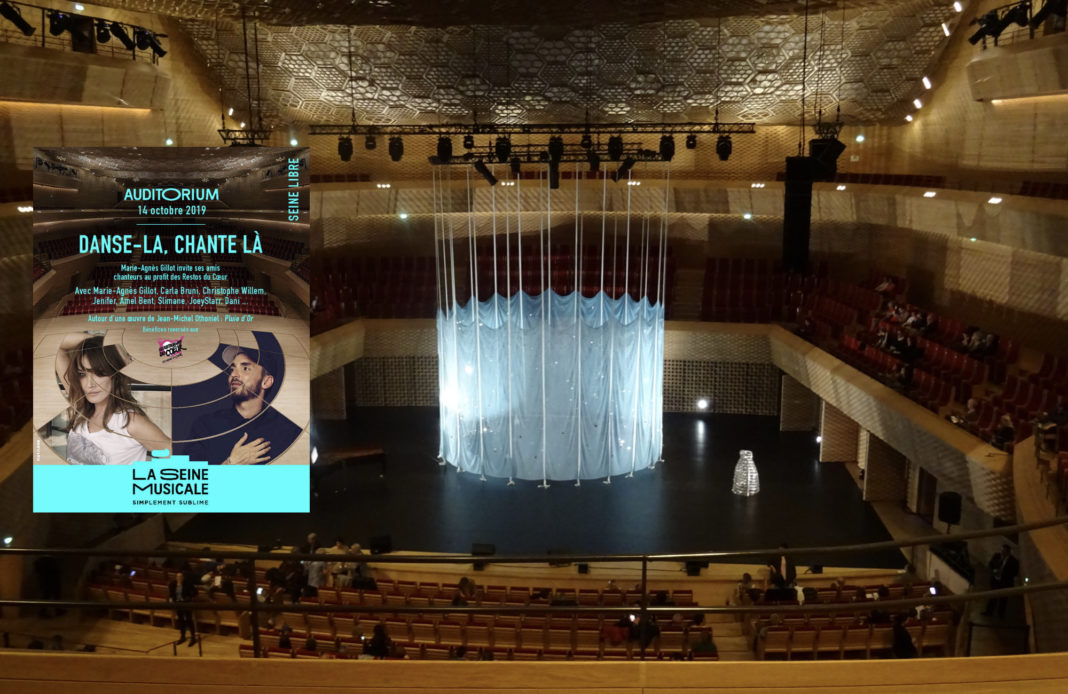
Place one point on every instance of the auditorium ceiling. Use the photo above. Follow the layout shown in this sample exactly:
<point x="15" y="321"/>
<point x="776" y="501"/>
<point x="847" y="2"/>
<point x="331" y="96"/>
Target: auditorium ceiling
<point x="423" y="62"/>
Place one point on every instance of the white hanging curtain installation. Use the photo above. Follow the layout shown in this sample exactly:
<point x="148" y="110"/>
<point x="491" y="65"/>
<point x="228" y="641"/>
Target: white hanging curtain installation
<point x="550" y="354"/>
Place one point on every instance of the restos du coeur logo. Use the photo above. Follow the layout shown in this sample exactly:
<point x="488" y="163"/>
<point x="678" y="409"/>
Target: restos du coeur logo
<point x="170" y="349"/>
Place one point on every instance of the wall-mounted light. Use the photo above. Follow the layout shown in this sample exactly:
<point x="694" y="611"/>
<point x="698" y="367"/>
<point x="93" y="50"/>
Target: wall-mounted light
<point x="930" y="194"/>
<point x="994" y="200"/>
<point x="840" y="187"/>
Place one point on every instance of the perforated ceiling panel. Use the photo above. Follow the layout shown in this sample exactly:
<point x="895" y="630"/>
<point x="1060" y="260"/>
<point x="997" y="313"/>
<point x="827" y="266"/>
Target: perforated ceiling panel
<point x="418" y="62"/>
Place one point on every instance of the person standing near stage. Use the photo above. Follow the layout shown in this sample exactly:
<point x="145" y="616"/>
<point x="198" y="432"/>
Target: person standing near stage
<point x="1003" y="571"/>
<point x="182" y="590"/>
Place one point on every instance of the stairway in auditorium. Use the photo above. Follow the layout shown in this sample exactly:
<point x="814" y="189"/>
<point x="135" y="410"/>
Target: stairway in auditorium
<point x="727" y="633"/>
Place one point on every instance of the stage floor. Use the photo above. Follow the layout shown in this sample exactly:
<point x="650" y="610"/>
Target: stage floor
<point x="684" y="505"/>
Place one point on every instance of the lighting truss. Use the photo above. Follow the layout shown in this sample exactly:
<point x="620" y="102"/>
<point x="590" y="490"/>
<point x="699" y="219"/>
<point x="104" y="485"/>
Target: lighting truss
<point x="538" y="153"/>
<point x="244" y="136"/>
<point x="534" y="129"/>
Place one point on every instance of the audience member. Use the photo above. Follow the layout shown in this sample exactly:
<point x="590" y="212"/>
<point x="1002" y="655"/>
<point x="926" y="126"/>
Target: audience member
<point x="1005" y="433"/>
<point x="1004" y="568"/>
<point x="182" y="589"/>
<point x="783" y="570"/>
<point x="704" y="643"/>
<point x="744" y="591"/>
<point x="379" y="645"/>
<point x="903" y="646"/>
<point x="284" y="640"/>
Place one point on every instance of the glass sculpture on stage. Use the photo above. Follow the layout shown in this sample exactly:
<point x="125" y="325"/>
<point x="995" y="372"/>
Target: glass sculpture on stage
<point x="746" y="477"/>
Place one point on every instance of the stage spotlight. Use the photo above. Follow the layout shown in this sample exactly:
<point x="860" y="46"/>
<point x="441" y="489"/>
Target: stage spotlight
<point x="145" y="39"/>
<point x="556" y="148"/>
<point x="615" y="147"/>
<point x="445" y="149"/>
<point x="594" y="160"/>
<point x="370" y="142"/>
<point x="503" y="149"/>
<point x="103" y="34"/>
<point x="586" y="142"/>
<point x="691" y="141"/>
<point x="344" y="147"/>
<point x="623" y="169"/>
<point x="1058" y="7"/>
<point x="396" y="148"/>
<point x="514" y="164"/>
<point x="13" y="15"/>
<point x="119" y="32"/>
<point x="469" y="141"/>
<point x="667" y="147"/>
<point x="481" y="167"/>
<point x="986" y="23"/>
<point x="724" y="147"/>
<point x="57" y="23"/>
<point x="554" y="174"/>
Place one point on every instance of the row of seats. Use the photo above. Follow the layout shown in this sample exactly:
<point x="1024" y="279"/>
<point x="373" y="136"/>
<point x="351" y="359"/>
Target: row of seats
<point x="855" y="639"/>
<point x="416" y="651"/>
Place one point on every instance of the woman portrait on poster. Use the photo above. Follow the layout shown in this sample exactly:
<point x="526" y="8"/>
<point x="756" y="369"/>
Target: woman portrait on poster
<point x="106" y="424"/>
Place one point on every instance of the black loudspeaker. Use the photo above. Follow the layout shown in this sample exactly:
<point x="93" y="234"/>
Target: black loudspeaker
<point x="583" y="568"/>
<point x="797" y="214"/>
<point x="482" y="549"/>
<point x="382" y="544"/>
<point x="824" y="153"/>
<point x="949" y="508"/>
<point x="693" y="568"/>
<point x="816" y="569"/>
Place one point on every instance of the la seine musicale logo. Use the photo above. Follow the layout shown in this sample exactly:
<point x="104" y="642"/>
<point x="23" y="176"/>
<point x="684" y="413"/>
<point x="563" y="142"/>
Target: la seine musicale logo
<point x="170" y="349"/>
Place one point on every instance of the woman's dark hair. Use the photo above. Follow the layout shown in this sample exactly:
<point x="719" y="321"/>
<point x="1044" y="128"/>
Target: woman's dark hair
<point x="103" y="361"/>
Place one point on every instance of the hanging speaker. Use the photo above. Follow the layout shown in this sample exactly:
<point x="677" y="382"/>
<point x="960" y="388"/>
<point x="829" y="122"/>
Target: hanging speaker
<point x="824" y="152"/>
<point x="949" y="508"/>
<point x="381" y="544"/>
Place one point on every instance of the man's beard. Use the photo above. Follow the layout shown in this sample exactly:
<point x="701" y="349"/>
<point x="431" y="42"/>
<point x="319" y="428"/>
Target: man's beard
<point x="243" y="394"/>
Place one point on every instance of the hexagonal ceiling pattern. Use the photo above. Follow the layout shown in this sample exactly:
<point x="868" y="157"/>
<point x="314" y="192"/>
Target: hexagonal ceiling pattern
<point x="526" y="63"/>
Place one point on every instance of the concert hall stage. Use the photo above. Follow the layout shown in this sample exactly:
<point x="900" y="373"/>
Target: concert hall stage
<point x="684" y="505"/>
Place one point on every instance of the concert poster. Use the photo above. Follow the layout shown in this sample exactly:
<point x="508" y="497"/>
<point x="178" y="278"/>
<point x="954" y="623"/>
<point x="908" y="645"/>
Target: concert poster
<point x="171" y="330"/>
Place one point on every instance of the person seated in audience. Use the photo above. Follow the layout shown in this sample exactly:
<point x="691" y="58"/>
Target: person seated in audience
<point x="930" y="324"/>
<point x="989" y="347"/>
<point x="860" y="595"/>
<point x="379" y="645"/>
<point x="969" y="417"/>
<point x="879" y="615"/>
<point x="284" y="641"/>
<point x="310" y="644"/>
<point x="904" y="646"/>
<point x="744" y="591"/>
<point x="311" y="545"/>
<point x="902" y="378"/>
<point x="704" y="643"/>
<point x="908" y="578"/>
<point x="661" y="599"/>
<point x="316" y="571"/>
<point x="465" y="592"/>
<point x="912" y="351"/>
<point x="361" y="571"/>
<point x="775" y="620"/>
<point x="337" y="569"/>
<point x="644" y="630"/>
<point x="615" y="634"/>
<point x="1005" y="433"/>
<point x="912" y="320"/>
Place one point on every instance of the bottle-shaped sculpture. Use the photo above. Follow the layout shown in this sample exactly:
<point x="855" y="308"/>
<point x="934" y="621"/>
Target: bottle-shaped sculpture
<point x="746" y="477"/>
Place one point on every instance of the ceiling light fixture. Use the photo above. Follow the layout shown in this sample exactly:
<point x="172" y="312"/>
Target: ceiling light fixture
<point x="691" y="141"/>
<point x="370" y="142"/>
<point x="396" y="148"/>
<point x="724" y="147"/>
<point x="469" y="141"/>
<point x="958" y="7"/>
<point x="623" y="169"/>
<point x="667" y="147"/>
<point x="909" y="118"/>
<point x="917" y="103"/>
<point x="615" y="147"/>
<point x="926" y="82"/>
<point x="344" y="148"/>
<point x="945" y="28"/>
<point x="119" y="32"/>
<point x="445" y="149"/>
<point x="860" y="137"/>
<point x="502" y="148"/>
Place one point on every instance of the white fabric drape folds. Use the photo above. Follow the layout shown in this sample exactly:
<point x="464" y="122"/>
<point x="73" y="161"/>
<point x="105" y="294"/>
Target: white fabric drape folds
<point x="492" y="400"/>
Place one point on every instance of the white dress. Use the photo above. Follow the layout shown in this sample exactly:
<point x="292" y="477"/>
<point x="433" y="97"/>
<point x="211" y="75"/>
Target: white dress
<point x="115" y="447"/>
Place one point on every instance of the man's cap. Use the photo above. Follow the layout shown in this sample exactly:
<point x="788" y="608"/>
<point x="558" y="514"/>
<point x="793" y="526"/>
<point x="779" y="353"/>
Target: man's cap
<point x="271" y="363"/>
